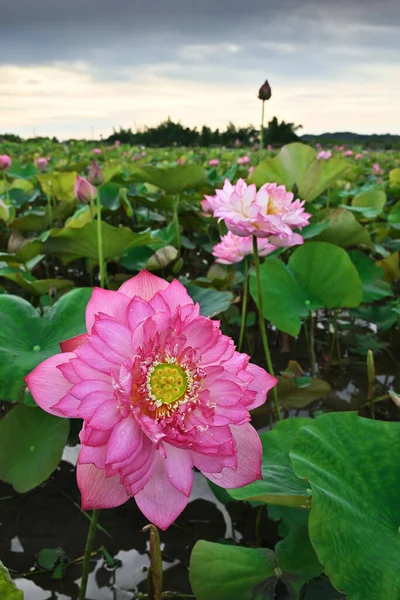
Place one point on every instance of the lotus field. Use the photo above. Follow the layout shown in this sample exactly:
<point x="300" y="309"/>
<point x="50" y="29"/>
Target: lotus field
<point x="199" y="372"/>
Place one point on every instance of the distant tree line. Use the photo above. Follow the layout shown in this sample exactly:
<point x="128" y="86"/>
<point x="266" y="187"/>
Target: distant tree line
<point x="169" y="133"/>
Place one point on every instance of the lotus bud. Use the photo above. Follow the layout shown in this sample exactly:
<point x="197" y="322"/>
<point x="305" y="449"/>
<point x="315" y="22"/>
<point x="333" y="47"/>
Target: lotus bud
<point x="96" y="176"/>
<point x="5" y="162"/>
<point x="264" y="93"/>
<point x="84" y="190"/>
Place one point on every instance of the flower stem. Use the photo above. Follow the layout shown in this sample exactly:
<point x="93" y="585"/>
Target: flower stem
<point x="88" y="550"/>
<point x="100" y="241"/>
<point x="50" y="207"/>
<point x="244" y="302"/>
<point x="262" y="326"/>
<point x="176" y="222"/>
<point x="262" y="126"/>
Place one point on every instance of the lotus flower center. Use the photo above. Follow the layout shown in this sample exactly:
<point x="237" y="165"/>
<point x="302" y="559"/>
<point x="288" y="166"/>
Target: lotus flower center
<point x="168" y="382"/>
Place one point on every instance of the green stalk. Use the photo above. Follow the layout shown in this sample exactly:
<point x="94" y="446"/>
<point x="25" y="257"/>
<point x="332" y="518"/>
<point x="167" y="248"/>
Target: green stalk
<point x="244" y="302"/>
<point x="100" y="241"/>
<point x="87" y="555"/>
<point x="176" y="222"/>
<point x="50" y="207"/>
<point x="262" y="127"/>
<point x="262" y="326"/>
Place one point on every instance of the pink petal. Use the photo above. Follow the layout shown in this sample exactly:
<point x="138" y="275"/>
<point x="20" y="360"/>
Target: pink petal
<point x="124" y="440"/>
<point x="93" y="455"/>
<point x="108" y="302"/>
<point x="212" y="464"/>
<point x="88" y="354"/>
<point x="93" y="437"/>
<point x="99" y="491"/>
<point x="135" y="482"/>
<point x="179" y="468"/>
<point x="249" y="452"/>
<point x="84" y="388"/>
<point x="160" y="501"/>
<point x="83" y="371"/>
<point x="106" y="416"/>
<point x="261" y="384"/>
<point x="137" y="311"/>
<point x="144" y="285"/>
<point x="175" y="295"/>
<point x="68" y="371"/>
<point x="92" y="403"/>
<point x="116" y="336"/>
<point x="47" y="384"/>
<point x="67" y="406"/>
<point x="72" y="343"/>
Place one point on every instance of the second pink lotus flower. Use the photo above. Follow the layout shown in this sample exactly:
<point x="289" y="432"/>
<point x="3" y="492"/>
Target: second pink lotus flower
<point x="160" y="390"/>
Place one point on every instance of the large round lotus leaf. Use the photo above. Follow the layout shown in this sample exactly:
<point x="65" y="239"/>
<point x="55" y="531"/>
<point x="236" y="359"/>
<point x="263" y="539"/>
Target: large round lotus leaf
<point x="31" y="445"/>
<point x="222" y="572"/>
<point x="26" y="339"/>
<point x="279" y="484"/>
<point x="343" y="229"/>
<point x="8" y="589"/>
<point x="327" y="274"/>
<point x="352" y="467"/>
<point x="297" y="164"/>
<point x="371" y="275"/>
<point x="173" y="180"/>
<point x="370" y="199"/>
<point x="285" y="301"/>
<point x="83" y="241"/>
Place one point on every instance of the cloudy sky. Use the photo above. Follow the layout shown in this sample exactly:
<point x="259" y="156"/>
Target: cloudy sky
<point x="81" y="67"/>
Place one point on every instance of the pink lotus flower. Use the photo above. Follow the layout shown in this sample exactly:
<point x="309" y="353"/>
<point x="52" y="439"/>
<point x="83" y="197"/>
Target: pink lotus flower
<point x="117" y="144"/>
<point x="160" y="390"/>
<point x="96" y="150"/>
<point x="270" y="212"/>
<point x="233" y="248"/>
<point x="243" y="160"/>
<point x="348" y="153"/>
<point x="180" y="161"/>
<point x="324" y="155"/>
<point x="211" y="203"/>
<point x="214" y="162"/>
<point x="5" y="162"/>
<point x="41" y="163"/>
<point x="377" y="169"/>
<point x="358" y="156"/>
<point x="84" y="190"/>
<point x="251" y="169"/>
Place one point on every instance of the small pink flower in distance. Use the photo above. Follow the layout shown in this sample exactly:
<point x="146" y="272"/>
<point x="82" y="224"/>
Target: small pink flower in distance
<point x="251" y="169"/>
<point x="237" y="143"/>
<point x="214" y="162"/>
<point x="160" y="390"/>
<point x="358" y="156"/>
<point x="270" y="212"/>
<point x="84" y="190"/>
<point x="377" y="169"/>
<point x="117" y="144"/>
<point x="96" y="150"/>
<point x="180" y="161"/>
<point x="270" y="148"/>
<point x="96" y="175"/>
<point x="243" y="160"/>
<point x="211" y="203"/>
<point x="339" y="148"/>
<point x="348" y="153"/>
<point x="233" y="248"/>
<point x="5" y="162"/>
<point x="41" y="163"/>
<point x="324" y="155"/>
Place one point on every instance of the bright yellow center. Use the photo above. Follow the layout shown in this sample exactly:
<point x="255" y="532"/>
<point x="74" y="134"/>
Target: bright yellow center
<point x="168" y="382"/>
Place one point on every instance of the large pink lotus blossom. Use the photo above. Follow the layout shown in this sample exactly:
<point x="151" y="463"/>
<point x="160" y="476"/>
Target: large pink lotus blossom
<point x="5" y="162"/>
<point x="233" y="248"/>
<point x="270" y="212"/>
<point x="160" y="390"/>
<point x="324" y="155"/>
